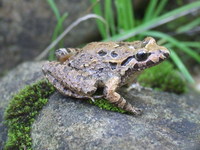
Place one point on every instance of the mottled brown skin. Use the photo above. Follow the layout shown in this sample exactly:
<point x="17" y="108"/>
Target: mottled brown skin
<point x="108" y="65"/>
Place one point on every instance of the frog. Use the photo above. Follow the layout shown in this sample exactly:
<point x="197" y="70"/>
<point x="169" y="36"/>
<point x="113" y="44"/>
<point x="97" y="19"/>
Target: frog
<point x="80" y="72"/>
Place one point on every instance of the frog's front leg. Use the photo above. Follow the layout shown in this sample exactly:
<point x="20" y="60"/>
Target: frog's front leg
<point x="63" y="54"/>
<point x="115" y="98"/>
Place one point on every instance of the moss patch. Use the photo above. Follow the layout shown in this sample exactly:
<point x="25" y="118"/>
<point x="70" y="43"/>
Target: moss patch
<point x="21" y="112"/>
<point x="163" y="77"/>
<point x="104" y="104"/>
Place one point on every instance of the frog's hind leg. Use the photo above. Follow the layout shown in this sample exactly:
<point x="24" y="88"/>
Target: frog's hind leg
<point x="63" y="54"/>
<point x="116" y="99"/>
<point x="61" y="89"/>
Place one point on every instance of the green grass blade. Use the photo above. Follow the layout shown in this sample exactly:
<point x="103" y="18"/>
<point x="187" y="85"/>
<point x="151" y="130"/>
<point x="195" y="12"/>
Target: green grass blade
<point x="189" y="26"/>
<point x="97" y="10"/>
<point x="193" y="44"/>
<point x="150" y="10"/>
<point x="54" y="8"/>
<point x="181" y="67"/>
<point x="128" y="9"/>
<point x="124" y="14"/>
<point x="176" y="43"/>
<point x="179" y="63"/>
<point x="57" y="30"/>
<point x="160" y="7"/>
<point x="109" y="16"/>
<point x="66" y="31"/>
<point x="120" y="15"/>
<point x="172" y="15"/>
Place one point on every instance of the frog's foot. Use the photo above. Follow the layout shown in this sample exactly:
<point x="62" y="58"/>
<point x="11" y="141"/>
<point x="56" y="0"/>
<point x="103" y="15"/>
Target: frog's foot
<point x="98" y="96"/>
<point x="92" y="99"/>
<point x="117" y="99"/>
<point x="120" y="102"/>
<point x="63" y="54"/>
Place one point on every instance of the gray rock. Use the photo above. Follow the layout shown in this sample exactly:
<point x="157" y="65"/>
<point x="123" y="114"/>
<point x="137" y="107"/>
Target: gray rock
<point x="26" y="28"/>
<point x="169" y="121"/>
<point x="15" y="80"/>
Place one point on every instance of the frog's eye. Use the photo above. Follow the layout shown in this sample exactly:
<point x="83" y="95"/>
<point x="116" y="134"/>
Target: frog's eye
<point x="141" y="56"/>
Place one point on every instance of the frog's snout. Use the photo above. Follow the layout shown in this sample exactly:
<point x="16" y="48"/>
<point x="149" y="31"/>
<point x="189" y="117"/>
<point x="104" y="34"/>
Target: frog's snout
<point x="166" y="54"/>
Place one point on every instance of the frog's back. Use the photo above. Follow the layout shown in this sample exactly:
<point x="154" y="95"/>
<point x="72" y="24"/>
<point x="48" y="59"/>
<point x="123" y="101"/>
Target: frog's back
<point x="102" y="55"/>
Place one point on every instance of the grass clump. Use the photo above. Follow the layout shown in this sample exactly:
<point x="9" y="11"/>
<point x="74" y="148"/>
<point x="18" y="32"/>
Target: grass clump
<point x="168" y="79"/>
<point x="21" y="112"/>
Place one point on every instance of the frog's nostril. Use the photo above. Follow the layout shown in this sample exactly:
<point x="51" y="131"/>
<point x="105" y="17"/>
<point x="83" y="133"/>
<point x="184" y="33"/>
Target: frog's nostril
<point x="166" y="55"/>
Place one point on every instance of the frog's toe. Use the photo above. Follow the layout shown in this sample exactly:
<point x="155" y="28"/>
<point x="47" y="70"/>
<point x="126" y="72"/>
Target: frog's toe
<point x="98" y="96"/>
<point x="136" y="111"/>
<point x="93" y="100"/>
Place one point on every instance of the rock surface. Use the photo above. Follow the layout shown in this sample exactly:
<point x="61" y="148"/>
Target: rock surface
<point x="26" y="28"/>
<point x="169" y="121"/>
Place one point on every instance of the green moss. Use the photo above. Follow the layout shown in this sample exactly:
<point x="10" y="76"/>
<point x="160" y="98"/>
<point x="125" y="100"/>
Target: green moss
<point x="21" y="112"/>
<point x="104" y="104"/>
<point x="163" y="77"/>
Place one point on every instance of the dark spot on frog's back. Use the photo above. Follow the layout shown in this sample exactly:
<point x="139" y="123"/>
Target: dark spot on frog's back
<point x="69" y="64"/>
<point x="102" y="53"/>
<point x="100" y="69"/>
<point x="127" y="60"/>
<point x="114" y="54"/>
<point x="113" y="65"/>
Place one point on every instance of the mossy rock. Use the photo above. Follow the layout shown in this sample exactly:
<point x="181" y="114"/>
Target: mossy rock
<point x="25" y="106"/>
<point x="21" y="112"/>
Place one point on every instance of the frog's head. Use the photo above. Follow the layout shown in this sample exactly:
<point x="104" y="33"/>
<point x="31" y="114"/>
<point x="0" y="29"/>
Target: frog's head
<point x="149" y="54"/>
<point x="145" y="55"/>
